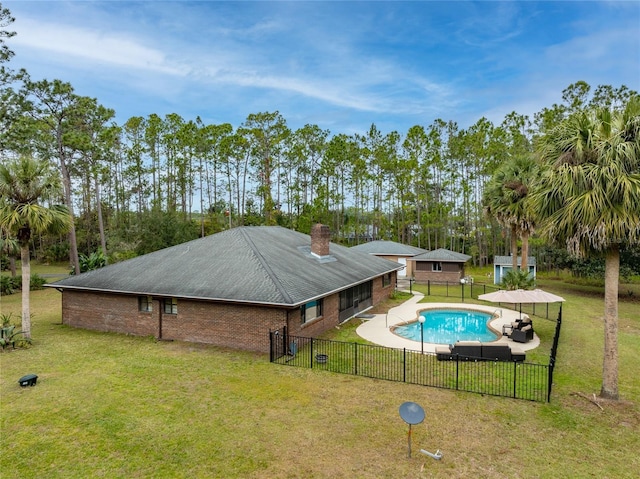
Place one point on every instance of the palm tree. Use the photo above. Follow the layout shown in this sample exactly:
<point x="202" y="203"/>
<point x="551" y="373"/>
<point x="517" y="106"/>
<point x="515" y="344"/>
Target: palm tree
<point x="521" y="174"/>
<point x="588" y="199"/>
<point x="11" y="248"/>
<point x="23" y="184"/>
<point x="506" y="198"/>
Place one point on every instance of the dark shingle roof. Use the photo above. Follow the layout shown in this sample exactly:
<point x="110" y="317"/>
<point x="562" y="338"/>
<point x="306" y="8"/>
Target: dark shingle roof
<point x="388" y="248"/>
<point x="442" y="255"/>
<point x="251" y="264"/>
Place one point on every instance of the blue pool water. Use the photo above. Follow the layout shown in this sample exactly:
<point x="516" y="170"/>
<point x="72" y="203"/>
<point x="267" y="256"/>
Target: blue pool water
<point x="446" y="326"/>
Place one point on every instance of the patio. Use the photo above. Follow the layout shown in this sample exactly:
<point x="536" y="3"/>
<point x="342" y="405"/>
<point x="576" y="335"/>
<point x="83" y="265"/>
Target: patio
<point x="377" y="328"/>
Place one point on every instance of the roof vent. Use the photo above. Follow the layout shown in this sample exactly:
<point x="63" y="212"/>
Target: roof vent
<point x="320" y="237"/>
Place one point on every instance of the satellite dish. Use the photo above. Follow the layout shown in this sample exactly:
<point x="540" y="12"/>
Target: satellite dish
<point x="411" y="413"/>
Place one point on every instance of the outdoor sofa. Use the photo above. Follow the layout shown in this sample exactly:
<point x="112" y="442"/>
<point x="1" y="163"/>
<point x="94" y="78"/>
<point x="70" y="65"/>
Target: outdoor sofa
<point x="477" y="351"/>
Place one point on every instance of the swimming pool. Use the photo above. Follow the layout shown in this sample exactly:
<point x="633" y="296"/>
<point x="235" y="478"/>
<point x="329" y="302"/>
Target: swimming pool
<point x="446" y="326"/>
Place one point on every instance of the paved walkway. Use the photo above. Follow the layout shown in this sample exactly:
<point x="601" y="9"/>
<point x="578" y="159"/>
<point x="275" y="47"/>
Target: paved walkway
<point x="376" y="329"/>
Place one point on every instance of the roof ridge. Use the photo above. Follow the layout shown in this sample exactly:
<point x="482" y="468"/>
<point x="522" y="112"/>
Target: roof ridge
<point x="266" y="266"/>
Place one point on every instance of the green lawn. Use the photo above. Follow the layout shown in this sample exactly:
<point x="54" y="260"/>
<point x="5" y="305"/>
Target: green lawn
<point x="114" y="406"/>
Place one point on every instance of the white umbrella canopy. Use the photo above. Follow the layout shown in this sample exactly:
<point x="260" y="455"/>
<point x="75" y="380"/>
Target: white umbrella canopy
<point x="520" y="296"/>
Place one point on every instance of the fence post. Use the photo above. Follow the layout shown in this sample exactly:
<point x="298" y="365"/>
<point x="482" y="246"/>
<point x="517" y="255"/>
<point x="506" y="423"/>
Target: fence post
<point x="550" y="378"/>
<point x="355" y="358"/>
<point x="271" y="346"/>
<point x="429" y="287"/>
<point x="404" y="365"/>
<point x="457" y="371"/>
<point x="515" y="376"/>
<point x="311" y="355"/>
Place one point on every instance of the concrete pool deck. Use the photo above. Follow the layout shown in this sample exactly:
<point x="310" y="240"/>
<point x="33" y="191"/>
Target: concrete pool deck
<point x="377" y="328"/>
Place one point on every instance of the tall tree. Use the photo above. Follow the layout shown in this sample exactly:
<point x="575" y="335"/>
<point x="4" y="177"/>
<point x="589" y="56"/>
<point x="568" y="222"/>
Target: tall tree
<point x="11" y="100"/>
<point x="54" y="109"/>
<point x="588" y="199"/>
<point x="6" y="19"/>
<point x="267" y="132"/>
<point x="94" y="139"/>
<point x="24" y="184"/>
<point x="235" y="154"/>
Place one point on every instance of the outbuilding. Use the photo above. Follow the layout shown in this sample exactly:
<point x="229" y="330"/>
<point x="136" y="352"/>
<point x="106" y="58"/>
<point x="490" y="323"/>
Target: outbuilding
<point x="392" y="251"/>
<point x="440" y="266"/>
<point x="502" y="264"/>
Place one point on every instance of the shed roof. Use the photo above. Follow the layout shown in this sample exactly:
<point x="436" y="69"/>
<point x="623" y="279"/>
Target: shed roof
<point x="508" y="260"/>
<point x="442" y="254"/>
<point x="388" y="248"/>
<point x="252" y="264"/>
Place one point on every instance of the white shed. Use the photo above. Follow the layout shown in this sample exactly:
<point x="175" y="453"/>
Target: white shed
<point x="502" y="264"/>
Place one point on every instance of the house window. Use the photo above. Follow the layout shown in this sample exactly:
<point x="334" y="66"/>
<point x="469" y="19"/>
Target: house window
<point x="350" y="298"/>
<point x="170" y="306"/>
<point x="436" y="266"/>
<point x="310" y="311"/>
<point x="386" y="280"/>
<point x="346" y="299"/>
<point x="145" y="303"/>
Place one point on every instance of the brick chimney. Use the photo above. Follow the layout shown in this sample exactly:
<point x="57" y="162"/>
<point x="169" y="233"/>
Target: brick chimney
<point x="320" y="236"/>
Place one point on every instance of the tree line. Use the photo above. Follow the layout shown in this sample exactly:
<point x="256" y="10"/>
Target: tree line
<point x="154" y="181"/>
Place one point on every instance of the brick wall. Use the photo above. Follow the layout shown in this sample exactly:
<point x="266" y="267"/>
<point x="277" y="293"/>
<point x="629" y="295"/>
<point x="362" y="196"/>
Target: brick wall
<point x="451" y="272"/>
<point x="228" y="325"/>
<point x="382" y="292"/>
<point x="234" y="326"/>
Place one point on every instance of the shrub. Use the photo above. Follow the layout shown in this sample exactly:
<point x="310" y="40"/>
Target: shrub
<point x="95" y="260"/>
<point x="37" y="282"/>
<point x="13" y="284"/>
<point x="517" y="279"/>
<point x="9" y="284"/>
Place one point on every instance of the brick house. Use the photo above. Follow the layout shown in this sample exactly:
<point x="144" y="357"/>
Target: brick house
<point x="230" y="289"/>
<point x="440" y="266"/>
<point x="392" y="251"/>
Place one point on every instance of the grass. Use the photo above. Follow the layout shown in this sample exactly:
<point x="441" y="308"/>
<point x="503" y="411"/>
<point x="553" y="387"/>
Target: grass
<point x="114" y="406"/>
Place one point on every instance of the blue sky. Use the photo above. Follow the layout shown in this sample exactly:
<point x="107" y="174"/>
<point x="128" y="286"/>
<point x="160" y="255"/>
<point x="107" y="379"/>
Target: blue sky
<point x="339" y="65"/>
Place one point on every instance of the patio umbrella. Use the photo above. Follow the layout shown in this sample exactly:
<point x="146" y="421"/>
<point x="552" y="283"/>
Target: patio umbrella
<point x="520" y="296"/>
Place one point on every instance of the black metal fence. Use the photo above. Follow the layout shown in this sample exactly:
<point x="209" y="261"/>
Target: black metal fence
<point x="520" y="380"/>
<point x="470" y="290"/>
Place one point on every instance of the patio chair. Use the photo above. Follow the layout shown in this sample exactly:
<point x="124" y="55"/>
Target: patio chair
<point x="507" y="329"/>
<point x="523" y="334"/>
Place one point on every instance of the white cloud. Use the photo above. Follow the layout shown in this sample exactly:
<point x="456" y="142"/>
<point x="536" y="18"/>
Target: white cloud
<point x="94" y="46"/>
